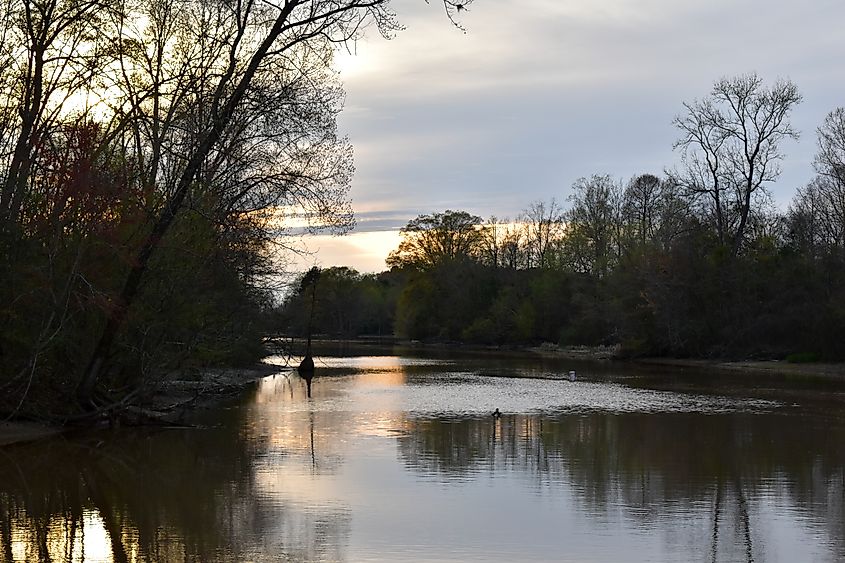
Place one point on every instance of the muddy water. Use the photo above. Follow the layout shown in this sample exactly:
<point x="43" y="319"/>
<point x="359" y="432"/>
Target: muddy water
<point x="396" y="458"/>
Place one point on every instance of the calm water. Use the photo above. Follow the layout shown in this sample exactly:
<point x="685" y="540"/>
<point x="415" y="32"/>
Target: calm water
<point x="397" y="458"/>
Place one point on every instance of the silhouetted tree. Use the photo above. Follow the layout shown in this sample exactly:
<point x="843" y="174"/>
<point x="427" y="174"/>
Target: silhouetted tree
<point x="544" y="225"/>
<point x="159" y="199"/>
<point x="431" y="240"/>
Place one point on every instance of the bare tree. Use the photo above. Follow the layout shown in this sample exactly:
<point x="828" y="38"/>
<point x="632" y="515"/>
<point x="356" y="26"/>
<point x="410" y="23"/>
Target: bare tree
<point x="817" y="213"/>
<point x="51" y="49"/>
<point x="514" y="249"/>
<point x="730" y="143"/>
<point x="544" y="225"/>
<point x="491" y="241"/>
<point x="830" y="159"/>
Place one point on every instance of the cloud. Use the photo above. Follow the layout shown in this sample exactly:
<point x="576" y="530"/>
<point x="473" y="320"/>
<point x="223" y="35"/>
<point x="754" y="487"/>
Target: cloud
<point x="541" y="92"/>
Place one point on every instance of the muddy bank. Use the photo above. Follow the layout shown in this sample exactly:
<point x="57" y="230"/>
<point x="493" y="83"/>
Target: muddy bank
<point x="754" y="367"/>
<point x="205" y="387"/>
<point x="747" y="367"/>
<point x="389" y="346"/>
<point x="582" y="353"/>
<point x="170" y="403"/>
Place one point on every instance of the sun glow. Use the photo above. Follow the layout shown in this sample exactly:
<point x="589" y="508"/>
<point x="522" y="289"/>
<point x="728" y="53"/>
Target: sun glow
<point x="362" y="251"/>
<point x="350" y="63"/>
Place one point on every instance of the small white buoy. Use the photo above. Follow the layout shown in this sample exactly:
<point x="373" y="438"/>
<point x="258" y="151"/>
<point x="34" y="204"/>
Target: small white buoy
<point x="572" y="375"/>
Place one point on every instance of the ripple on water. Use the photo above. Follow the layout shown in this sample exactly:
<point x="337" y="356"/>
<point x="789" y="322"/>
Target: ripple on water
<point x="467" y="394"/>
<point x="471" y="395"/>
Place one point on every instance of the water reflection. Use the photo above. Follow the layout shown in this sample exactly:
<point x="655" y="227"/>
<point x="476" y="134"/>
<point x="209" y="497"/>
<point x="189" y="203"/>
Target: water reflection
<point x="738" y="477"/>
<point x="399" y="459"/>
<point x="175" y="495"/>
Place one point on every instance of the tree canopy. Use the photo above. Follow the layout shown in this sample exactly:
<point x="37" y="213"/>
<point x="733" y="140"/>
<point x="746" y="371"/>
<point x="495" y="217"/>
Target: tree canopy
<point x="431" y="240"/>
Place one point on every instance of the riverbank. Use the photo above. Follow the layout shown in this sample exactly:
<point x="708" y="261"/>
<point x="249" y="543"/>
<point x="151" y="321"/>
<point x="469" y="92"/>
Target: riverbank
<point x="206" y="388"/>
<point x="815" y="370"/>
<point x="203" y="388"/>
<point x="170" y="403"/>
<point x="747" y="367"/>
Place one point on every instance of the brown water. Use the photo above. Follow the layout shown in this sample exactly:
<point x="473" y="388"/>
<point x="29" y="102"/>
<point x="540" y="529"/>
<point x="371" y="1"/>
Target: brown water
<point x="397" y="458"/>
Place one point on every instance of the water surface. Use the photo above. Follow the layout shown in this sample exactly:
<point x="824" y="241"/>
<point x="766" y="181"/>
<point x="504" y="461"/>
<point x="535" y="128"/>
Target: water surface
<point x="397" y="458"/>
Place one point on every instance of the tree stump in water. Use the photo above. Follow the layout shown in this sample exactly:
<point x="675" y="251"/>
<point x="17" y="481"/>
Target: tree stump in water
<point x="306" y="372"/>
<point x="306" y="365"/>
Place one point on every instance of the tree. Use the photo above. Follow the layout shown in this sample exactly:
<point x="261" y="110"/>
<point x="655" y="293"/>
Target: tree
<point x="817" y="212"/>
<point x="491" y="241"/>
<point x="42" y="68"/>
<point x="593" y="225"/>
<point x="251" y="55"/>
<point x="730" y="143"/>
<point x="830" y="159"/>
<point x="430" y="240"/>
<point x="641" y="204"/>
<point x="544" y="227"/>
<point x="505" y="244"/>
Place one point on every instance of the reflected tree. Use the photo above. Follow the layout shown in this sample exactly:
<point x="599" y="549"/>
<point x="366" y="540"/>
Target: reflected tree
<point x="173" y="495"/>
<point x="650" y="464"/>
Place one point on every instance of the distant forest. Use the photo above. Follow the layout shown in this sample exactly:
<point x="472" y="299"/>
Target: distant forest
<point x="694" y="262"/>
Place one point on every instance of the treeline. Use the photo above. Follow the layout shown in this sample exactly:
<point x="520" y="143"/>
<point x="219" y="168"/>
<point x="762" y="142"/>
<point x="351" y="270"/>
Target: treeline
<point x="694" y="262"/>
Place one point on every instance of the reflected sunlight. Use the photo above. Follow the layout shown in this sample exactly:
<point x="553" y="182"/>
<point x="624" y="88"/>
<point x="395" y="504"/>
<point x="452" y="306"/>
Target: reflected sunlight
<point x="89" y="542"/>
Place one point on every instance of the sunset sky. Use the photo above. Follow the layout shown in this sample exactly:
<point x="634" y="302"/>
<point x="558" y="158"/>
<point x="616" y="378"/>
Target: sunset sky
<point x="538" y="93"/>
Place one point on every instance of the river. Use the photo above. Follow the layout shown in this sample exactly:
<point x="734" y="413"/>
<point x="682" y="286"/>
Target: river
<point x="399" y="458"/>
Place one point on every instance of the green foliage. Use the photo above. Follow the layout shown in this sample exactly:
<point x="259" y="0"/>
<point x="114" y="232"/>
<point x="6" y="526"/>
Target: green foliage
<point x="803" y="358"/>
<point x="482" y="331"/>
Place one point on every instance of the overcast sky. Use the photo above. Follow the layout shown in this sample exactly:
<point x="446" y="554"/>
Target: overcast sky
<point x="538" y="93"/>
